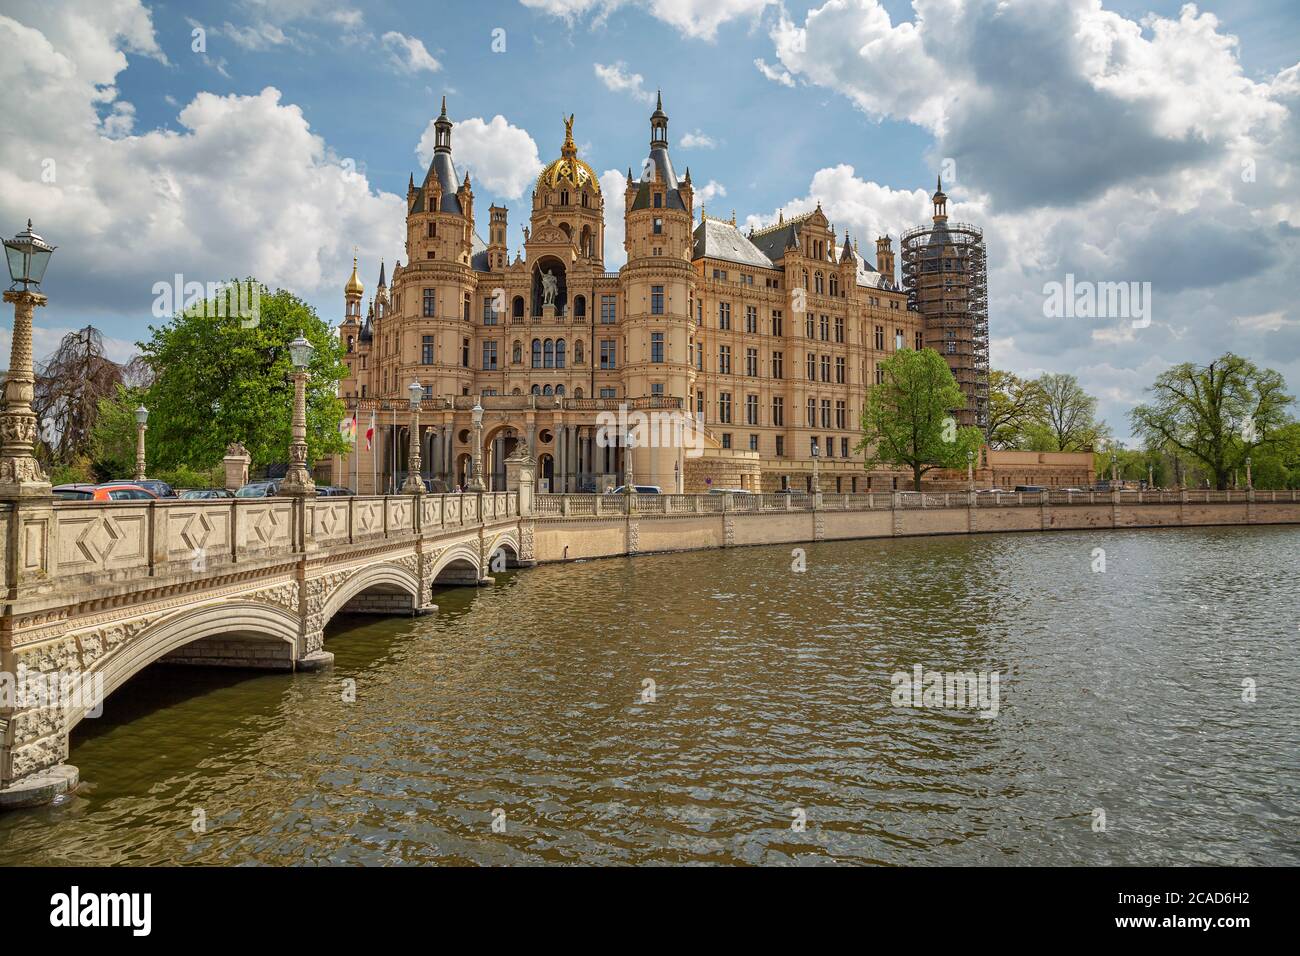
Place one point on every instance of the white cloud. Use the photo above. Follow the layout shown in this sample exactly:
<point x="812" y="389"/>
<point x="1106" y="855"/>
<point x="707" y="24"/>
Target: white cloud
<point x="612" y="185"/>
<point x="256" y="37"/>
<point x="709" y="191"/>
<point x="698" y="19"/>
<point x="697" y="139"/>
<point x="408" y="54"/>
<point x="772" y="73"/>
<point x="501" y="157"/>
<point x="243" y="188"/>
<point x="617" y="79"/>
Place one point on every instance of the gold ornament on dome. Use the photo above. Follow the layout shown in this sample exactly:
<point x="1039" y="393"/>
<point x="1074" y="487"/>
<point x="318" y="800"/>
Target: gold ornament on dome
<point x="568" y="169"/>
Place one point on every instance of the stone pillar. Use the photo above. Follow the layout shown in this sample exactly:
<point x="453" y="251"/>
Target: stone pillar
<point x="561" y="464"/>
<point x="236" y="463"/>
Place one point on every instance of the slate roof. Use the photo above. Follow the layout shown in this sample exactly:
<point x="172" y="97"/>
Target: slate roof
<point x="664" y="173"/>
<point x="721" y="240"/>
<point x="442" y="167"/>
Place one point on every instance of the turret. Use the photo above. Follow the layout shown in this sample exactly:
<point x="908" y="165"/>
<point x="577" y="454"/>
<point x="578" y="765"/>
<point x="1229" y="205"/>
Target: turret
<point x="940" y="200"/>
<point x="498" y="254"/>
<point x="885" y="257"/>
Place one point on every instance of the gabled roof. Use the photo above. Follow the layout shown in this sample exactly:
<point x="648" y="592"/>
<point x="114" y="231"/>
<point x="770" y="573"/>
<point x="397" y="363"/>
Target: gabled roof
<point x="444" y="169"/>
<point x="665" y="174"/>
<point x="775" y="239"/>
<point x="478" y="255"/>
<point x="717" y="239"/>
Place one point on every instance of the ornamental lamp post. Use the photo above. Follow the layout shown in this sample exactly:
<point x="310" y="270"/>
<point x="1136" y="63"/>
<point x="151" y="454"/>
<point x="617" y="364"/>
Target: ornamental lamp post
<point x="414" y="484"/>
<point x="141" y="423"/>
<point x="816" y="456"/>
<point x="27" y="256"/>
<point x="1250" y="486"/>
<point x="476" y="482"/>
<point x="970" y="469"/>
<point x="1114" y="466"/>
<point x="297" y="481"/>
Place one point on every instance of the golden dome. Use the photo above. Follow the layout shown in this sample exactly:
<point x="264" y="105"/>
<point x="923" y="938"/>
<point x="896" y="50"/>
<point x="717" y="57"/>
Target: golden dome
<point x="354" y="286"/>
<point x="568" y="170"/>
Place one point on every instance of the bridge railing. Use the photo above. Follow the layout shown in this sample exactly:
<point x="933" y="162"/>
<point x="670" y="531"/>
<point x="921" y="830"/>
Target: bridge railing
<point x="102" y="542"/>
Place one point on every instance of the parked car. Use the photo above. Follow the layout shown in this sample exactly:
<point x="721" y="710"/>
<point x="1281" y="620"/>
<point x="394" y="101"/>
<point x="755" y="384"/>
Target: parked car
<point x="333" y="491"/>
<point x="75" y="492"/>
<point x="121" y="491"/>
<point x="436" y="486"/>
<point x="158" y="488"/>
<point x="259" y="489"/>
<point x="1033" y="489"/>
<point x="640" y="490"/>
<point x="207" y="493"/>
<point x="730" y="491"/>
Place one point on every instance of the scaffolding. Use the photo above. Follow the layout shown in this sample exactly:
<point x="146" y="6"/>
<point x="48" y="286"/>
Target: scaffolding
<point x="945" y="275"/>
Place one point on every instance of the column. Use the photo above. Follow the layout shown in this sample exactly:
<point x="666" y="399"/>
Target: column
<point x="561" y="464"/>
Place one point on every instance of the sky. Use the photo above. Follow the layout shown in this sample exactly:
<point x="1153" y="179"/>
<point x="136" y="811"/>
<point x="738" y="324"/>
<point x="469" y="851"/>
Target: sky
<point x="1152" y="143"/>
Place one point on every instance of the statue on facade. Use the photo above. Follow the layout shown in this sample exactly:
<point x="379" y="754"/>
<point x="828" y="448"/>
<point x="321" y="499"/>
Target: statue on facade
<point x="550" y="287"/>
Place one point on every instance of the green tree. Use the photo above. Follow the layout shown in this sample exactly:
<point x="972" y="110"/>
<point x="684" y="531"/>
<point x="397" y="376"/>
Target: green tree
<point x="1218" y="414"/>
<point x="1014" y="403"/>
<point x="1277" y="464"/>
<point x="216" y="382"/>
<point x="112" y="439"/>
<point x="907" y="420"/>
<point x="1064" y="418"/>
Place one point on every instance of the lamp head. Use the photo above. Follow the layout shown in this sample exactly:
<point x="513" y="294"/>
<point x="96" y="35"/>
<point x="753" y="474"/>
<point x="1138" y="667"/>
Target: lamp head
<point x="300" y="352"/>
<point x="141" y="415"/>
<point x="416" y="391"/>
<point x="478" y="412"/>
<point x="27" y="255"/>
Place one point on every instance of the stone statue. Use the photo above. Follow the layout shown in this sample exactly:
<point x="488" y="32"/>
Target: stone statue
<point x="550" y="287"/>
<point x="235" y="449"/>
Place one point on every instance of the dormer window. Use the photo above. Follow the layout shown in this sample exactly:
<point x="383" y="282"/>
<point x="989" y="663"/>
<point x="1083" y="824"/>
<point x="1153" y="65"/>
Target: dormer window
<point x="659" y="200"/>
<point x="564" y="198"/>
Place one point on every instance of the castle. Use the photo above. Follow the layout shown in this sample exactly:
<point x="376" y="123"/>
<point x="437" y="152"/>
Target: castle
<point x="767" y="340"/>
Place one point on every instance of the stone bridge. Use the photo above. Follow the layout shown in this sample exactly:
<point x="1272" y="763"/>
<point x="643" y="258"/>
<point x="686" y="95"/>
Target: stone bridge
<point x="98" y="591"/>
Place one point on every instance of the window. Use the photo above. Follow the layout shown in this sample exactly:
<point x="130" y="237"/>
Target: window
<point x="580" y="307"/>
<point x="699" y="403"/>
<point x="517" y="309"/>
<point x="841" y="415"/>
<point x="841" y="370"/>
<point x="489" y="313"/>
<point x="609" y="393"/>
<point x="830" y="447"/>
<point x="430" y="297"/>
<point x="466" y="306"/>
<point x="777" y="323"/>
<point x="659" y="224"/>
<point x="898" y="339"/>
<point x="819" y="283"/>
<point x="751" y="362"/>
<point x="839" y="329"/>
<point x="751" y="410"/>
<point x="577" y="351"/>
<point x="559" y="354"/>
<point x="880" y="338"/>
<point x="548" y="354"/>
<point x="517" y="353"/>
<point x="537" y="353"/>
<point x="426" y="350"/>
<point x="724" y="408"/>
<point x="812" y="367"/>
<point x="751" y="319"/>
<point x="826" y="413"/>
<point x="952" y="347"/>
<point x="656" y="300"/>
<point x="699" y="312"/>
<point x="659" y="200"/>
<point x="780" y="446"/>
<point x="778" y="365"/>
<point x="656" y="388"/>
<point x="753" y="443"/>
<point x="813" y="446"/>
<point x="835" y="285"/>
<point x="812" y="412"/>
<point x="778" y="411"/>
<point x="428" y="393"/>
<point x="880" y="375"/>
<point x="724" y="315"/>
<point x="808" y="324"/>
<point x="825" y="328"/>
<point x="464" y="353"/>
<point x="656" y="346"/>
<point x="844" y="448"/>
<point x="720" y="274"/>
<point x="826" y="368"/>
<point x="608" y="353"/>
<point x="724" y="359"/>
<point x="726" y="439"/>
<point x="607" y="313"/>
<point x="920" y="341"/>
<point x="489" y="356"/>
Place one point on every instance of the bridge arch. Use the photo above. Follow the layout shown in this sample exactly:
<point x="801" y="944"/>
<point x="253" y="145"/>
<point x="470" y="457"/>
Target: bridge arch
<point x="458" y="565"/>
<point x="386" y="578"/>
<point x="234" y="619"/>
<point x="507" y="542"/>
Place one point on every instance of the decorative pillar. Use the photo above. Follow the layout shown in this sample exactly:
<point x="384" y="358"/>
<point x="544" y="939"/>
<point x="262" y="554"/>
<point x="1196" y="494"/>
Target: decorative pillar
<point x="236" y="462"/>
<point x="297" y="481"/>
<point x="141" y="424"/>
<point x="20" y="474"/>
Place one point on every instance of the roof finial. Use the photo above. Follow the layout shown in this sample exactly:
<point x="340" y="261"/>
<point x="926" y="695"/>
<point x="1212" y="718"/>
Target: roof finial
<point x="444" y="106"/>
<point x="938" y="183"/>
<point x="659" y="99"/>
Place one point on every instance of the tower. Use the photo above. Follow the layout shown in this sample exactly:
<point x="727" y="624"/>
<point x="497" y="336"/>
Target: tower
<point x="946" y="279"/>
<point x="497" y="251"/>
<point x="885" y="258"/>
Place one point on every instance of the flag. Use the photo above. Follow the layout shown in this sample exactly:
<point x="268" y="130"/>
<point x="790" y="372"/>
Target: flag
<point x="370" y="432"/>
<point x="348" y="429"/>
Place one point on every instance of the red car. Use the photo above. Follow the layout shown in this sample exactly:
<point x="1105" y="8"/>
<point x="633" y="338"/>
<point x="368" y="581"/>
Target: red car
<point x="111" y="491"/>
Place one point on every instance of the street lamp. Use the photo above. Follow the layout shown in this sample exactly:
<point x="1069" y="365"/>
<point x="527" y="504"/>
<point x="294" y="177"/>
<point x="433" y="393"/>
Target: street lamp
<point x="476" y="482"/>
<point x="27" y="255"/>
<point x="970" y="469"/>
<point x="297" y="481"/>
<point x="816" y="455"/>
<point x="141" y="423"/>
<point x="414" y="484"/>
<point x="1114" y="466"/>
<point x="1249" y="483"/>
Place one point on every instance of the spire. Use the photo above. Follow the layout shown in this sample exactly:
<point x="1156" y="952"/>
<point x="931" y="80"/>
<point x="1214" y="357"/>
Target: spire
<point x="659" y="125"/>
<point x="442" y="131"/>
<point x="382" y="283"/>
<point x="354" y="288"/>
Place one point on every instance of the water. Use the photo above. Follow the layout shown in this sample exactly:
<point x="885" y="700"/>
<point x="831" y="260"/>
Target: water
<point x="1119" y="691"/>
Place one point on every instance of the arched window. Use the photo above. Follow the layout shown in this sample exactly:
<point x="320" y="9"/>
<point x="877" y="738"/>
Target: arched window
<point x="580" y="307"/>
<point x="819" y="283"/>
<point x="559" y="390"/>
<point x="559" y="354"/>
<point x="537" y="353"/>
<point x="517" y="307"/>
<point x="515" y="392"/>
<point x="584" y="197"/>
<point x="577" y="352"/>
<point x="835" y="285"/>
<point x="517" y="353"/>
<point x="546" y="390"/>
<point x="548" y="354"/>
<point x="564" y="197"/>
<point x="537" y="389"/>
<point x="577" y="392"/>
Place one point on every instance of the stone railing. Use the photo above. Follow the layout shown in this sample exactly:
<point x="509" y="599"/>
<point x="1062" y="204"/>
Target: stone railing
<point x="122" y="540"/>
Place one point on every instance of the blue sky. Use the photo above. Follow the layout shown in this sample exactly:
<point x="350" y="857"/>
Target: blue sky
<point x="1106" y="142"/>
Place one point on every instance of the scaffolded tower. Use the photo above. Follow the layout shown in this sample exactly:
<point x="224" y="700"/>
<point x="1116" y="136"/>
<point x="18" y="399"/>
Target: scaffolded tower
<point x="946" y="279"/>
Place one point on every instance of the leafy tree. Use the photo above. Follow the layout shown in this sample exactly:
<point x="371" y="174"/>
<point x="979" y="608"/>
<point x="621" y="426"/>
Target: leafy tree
<point x="1064" y="418"/>
<point x="907" y="420"/>
<point x="1217" y="414"/>
<point x="68" y="389"/>
<point x="216" y="382"/>
<point x="1277" y="464"/>
<point x="112" y="440"/>
<point x="1014" y="403"/>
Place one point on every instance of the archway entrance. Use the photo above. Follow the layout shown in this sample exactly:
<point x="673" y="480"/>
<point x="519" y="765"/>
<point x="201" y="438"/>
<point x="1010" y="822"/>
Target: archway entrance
<point x="498" y="445"/>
